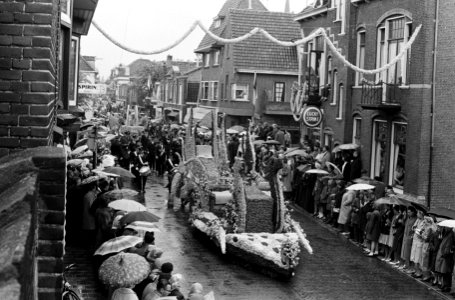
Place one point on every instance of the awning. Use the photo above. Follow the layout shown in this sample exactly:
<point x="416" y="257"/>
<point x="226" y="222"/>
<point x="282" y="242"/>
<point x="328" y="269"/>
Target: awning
<point x="200" y="114"/>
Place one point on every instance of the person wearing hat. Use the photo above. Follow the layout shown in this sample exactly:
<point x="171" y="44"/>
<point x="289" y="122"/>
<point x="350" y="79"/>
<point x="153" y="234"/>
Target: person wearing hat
<point x="417" y="243"/>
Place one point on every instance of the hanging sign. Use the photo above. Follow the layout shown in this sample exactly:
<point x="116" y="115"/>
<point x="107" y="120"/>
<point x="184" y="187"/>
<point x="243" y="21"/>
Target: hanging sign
<point x="312" y="116"/>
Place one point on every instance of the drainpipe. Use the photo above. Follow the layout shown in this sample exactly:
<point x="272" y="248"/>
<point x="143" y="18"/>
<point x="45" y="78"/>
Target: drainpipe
<point x="433" y="101"/>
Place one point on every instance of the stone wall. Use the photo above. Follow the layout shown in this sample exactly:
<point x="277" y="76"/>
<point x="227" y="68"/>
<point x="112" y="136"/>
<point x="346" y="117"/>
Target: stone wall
<point x="32" y="217"/>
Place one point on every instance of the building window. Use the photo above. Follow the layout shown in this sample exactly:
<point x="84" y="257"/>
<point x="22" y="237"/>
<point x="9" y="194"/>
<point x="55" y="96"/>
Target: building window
<point x="205" y="90"/>
<point x="213" y="90"/>
<point x="180" y="93"/>
<point x="217" y="23"/>
<point x="65" y="14"/>
<point x="226" y="87"/>
<point x="378" y="164"/>
<point x="279" y="92"/>
<point x="73" y="71"/>
<point x="360" y="61"/>
<point x="206" y="59"/>
<point x="216" y="58"/>
<point x="393" y="34"/>
<point x="240" y="92"/>
<point x="340" y="101"/>
<point x="357" y="130"/>
<point x="335" y="87"/>
<point x="341" y="11"/>
<point x="398" y="155"/>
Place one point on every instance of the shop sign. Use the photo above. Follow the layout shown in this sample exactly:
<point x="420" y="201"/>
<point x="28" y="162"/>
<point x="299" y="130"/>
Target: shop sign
<point x="312" y="116"/>
<point x="88" y="88"/>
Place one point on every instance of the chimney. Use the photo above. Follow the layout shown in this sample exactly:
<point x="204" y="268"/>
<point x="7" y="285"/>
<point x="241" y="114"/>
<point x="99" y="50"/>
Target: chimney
<point x="287" y="8"/>
<point x="250" y="5"/>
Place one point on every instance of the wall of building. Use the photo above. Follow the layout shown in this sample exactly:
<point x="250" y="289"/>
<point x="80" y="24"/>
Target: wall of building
<point x="28" y="73"/>
<point x="443" y="184"/>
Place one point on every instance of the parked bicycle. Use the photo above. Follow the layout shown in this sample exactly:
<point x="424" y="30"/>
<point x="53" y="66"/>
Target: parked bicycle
<point x="69" y="292"/>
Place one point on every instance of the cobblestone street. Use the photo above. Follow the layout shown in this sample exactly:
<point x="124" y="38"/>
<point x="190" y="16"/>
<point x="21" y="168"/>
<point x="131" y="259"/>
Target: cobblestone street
<point x="336" y="270"/>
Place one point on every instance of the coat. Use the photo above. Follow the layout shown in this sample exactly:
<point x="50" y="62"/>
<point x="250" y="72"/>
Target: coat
<point x="444" y="257"/>
<point x="373" y="228"/>
<point x="345" y="208"/>
<point x="417" y="241"/>
<point x="407" y="238"/>
<point x="88" y="219"/>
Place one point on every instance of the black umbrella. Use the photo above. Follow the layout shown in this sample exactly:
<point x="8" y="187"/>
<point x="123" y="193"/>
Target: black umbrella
<point x="442" y="212"/>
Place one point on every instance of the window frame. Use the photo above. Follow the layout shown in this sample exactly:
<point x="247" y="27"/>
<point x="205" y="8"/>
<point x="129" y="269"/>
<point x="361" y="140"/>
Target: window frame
<point x="283" y="91"/>
<point x="356" y="120"/>
<point x="207" y="60"/>
<point x="73" y="81"/>
<point x="216" y="57"/>
<point x="392" y="164"/>
<point x="235" y="87"/>
<point x="383" y="50"/>
<point x="373" y="148"/>
<point x="334" y="87"/>
<point x="360" y="61"/>
<point x="66" y="17"/>
<point x="340" y="101"/>
<point x="204" y="85"/>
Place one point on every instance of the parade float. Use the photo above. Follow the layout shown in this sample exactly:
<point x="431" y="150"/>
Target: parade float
<point x="234" y="209"/>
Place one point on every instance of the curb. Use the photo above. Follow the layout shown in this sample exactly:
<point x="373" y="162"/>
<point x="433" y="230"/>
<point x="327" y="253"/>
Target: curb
<point x="330" y="228"/>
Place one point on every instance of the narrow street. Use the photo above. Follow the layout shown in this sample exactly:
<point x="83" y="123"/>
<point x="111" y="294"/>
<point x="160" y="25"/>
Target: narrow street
<point x="336" y="270"/>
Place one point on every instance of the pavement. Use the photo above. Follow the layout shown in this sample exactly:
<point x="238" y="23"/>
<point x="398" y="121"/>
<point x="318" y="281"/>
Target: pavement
<point x="337" y="269"/>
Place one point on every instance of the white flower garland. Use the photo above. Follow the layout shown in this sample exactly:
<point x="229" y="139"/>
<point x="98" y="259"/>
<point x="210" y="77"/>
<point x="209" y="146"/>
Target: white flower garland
<point x="320" y="31"/>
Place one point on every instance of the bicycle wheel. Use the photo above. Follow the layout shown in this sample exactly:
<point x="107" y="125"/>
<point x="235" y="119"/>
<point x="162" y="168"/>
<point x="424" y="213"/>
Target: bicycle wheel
<point x="71" y="295"/>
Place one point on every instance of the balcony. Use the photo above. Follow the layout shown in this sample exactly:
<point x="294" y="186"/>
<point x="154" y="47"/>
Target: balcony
<point x="381" y="96"/>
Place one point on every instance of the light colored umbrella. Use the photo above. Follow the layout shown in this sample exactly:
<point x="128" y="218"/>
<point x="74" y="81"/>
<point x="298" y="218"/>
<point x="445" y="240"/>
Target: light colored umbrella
<point x="119" y="171"/>
<point x="124" y="270"/>
<point x="109" y="137"/>
<point x="237" y="128"/>
<point x="134" y="216"/>
<point x="91" y="179"/>
<point x="258" y="142"/>
<point x="118" y="244"/>
<point x="317" y="171"/>
<point x="86" y="154"/>
<point x="329" y="164"/>
<point x="360" y="187"/>
<point x="142" y="226"/>
<point x="105" y="174"/>
<point x="350" y="146"/>
<point x="79" y="150"/>
<point x="392" y="200"/>
<point x="120" y="194"/>
<point x="81" y="142"/>
<point x="231" y="131"/>
<point x="75" y="162"/>
<point x="297" y="152"/>
<point x="447" y="223"/>
<point x="127" y="205"/>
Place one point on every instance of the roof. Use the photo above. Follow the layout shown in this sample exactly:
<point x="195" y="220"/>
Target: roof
<point x="258" y="52"/>
<point x="207" y="41"/>
<point x="316" y="8"/>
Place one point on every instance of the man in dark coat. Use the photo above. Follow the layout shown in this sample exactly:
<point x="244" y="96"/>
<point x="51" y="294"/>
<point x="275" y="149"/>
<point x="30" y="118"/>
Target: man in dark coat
<point x="356" y="166"/>
<point x="232" y="149"/>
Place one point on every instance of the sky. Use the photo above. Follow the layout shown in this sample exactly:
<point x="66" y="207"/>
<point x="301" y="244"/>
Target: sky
<point x="153" y="24"/>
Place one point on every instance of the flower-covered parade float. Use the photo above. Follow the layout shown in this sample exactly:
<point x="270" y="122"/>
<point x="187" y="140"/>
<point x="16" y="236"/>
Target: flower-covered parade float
<point x="233" y="207"/>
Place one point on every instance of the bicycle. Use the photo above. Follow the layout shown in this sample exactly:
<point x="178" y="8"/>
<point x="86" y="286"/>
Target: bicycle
<point x="70" y="293"/>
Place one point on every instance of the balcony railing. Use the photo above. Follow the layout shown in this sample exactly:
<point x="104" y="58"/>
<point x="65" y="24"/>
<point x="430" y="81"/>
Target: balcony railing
<point x="380" y="95"/>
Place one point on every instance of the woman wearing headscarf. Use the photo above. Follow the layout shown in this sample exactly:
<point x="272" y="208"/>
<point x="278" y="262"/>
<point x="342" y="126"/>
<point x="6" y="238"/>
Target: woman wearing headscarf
<point x="417" y="243"/>
<point x="407" y="239"/>
<point x="345" y="211"/>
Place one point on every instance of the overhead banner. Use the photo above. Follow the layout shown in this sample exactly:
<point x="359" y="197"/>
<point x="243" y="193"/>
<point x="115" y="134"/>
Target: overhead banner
<point x="88" y="88"/>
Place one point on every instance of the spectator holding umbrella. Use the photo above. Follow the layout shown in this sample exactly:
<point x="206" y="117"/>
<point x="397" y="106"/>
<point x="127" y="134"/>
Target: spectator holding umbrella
<point x="444" y="259"/>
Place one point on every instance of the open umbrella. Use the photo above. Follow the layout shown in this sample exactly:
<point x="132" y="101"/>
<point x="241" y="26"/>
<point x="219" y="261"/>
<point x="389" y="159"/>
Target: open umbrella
<point x="145" y="216"/>
<point x="141" y="227"/>
<point x="124" y="270"/>
<point x="447" y="223"/>
<point x="237" y="128"/>
<point x="360" y="187"/>
<point x="118" y="244"/>
<point x="127" y="205"/>
<point x="296" y="152"/>
<point x="81" y="142"/>
<point x="392" y="200"/>
<point x="442" y="212"/>
<point x="75" y="162"/>
<point x="258" y="142"/>
<point x="175" y="126"/>
<point x="91" y="179"/>
<point x="272" y="142"/>
<point x="333" y="166"/>
<point x="120" y="194"/>
<point x="231" y="131"/>
<point x="86" y="154"/>
<point x="105" y="174"/>
<point x="79" y="150"/>
<point x="350" y="146"/>
<point x="119" y="171"/>
<point x="317" y="171"/>
<point x="109" y="137"/>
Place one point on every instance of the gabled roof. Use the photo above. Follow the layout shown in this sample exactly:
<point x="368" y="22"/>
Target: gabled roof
<point x="207" y="41"/>
<point x="319" y="7"/>
<point x="258" y="52"/>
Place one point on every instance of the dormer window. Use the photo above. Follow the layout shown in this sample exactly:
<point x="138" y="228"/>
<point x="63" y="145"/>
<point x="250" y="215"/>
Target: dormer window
<point x="217" y="22"/>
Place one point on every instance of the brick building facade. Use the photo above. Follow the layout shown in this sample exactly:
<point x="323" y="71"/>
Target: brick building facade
<point x="401" y="118"/>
